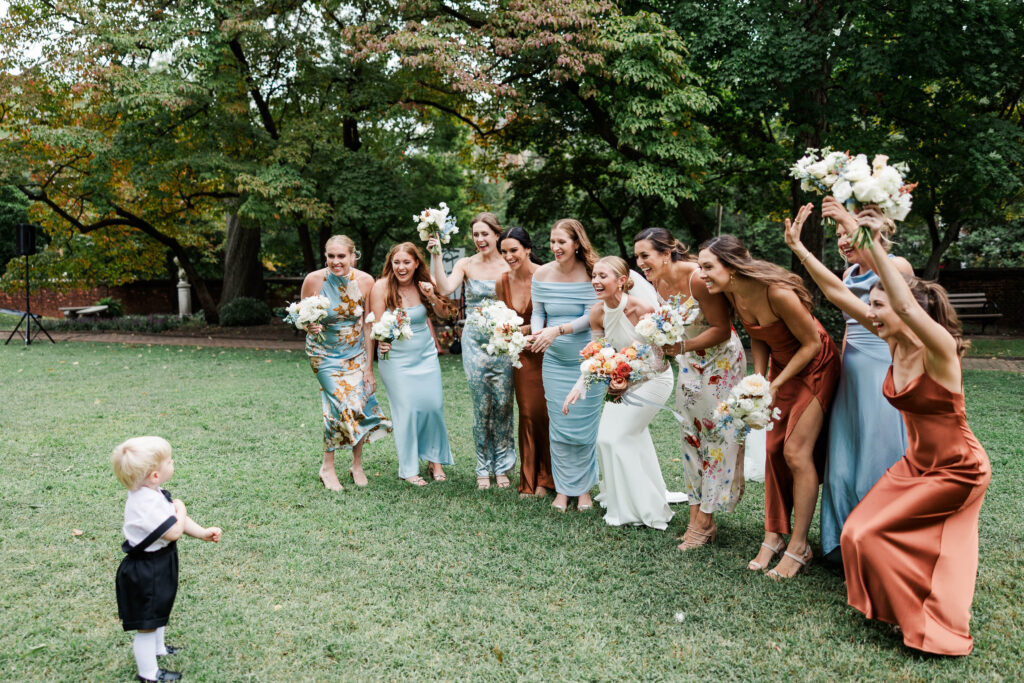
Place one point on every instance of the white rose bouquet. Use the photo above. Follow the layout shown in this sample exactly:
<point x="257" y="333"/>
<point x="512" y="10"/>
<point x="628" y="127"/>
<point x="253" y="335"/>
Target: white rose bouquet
<point x="748" y="406"/>
<point x="309" y="311"/>
<point x="666" y="325"/>
<point x="436" y="222"/>
<point x="503" y="329"/>
<point x="854" y="182"/>
<point x="393" y="325"/>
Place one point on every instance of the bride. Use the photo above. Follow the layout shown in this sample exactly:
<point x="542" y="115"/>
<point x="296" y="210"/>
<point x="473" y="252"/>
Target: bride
<point x="632" y="488"/>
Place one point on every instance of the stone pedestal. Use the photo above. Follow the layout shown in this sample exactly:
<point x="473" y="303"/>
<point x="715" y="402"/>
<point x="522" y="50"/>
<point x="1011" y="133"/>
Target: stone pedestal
<point x="184" y="299"/>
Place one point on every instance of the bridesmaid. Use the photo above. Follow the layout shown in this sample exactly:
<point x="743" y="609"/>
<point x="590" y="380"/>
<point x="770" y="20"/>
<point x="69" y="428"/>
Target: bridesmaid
<point x="802" y="365"/>
<point x="866" y="436"/>
<point x="489" y="377"/>
<point x="711" y="363"/>
<point x="632" y="488"/>
<point x="342" y="362"/>
<point x="910" y="547"/>
<point x="562" y="296"/>
<point x="411" y="372"/>
<point x="514" y="289"/>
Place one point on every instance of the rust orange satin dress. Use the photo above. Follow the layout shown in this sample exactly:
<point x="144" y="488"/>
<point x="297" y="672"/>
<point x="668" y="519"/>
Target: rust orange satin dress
<point x="534" y="453"/>
<point x="817" y="380"/>
<point x="910" y="547"/>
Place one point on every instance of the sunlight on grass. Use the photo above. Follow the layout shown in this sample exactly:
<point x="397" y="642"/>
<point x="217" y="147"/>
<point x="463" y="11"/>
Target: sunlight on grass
<point x="393" y="582"/>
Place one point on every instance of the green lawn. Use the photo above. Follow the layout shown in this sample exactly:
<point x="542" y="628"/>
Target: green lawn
<point x="393" y="582"/>
<point x="999" y="347"/>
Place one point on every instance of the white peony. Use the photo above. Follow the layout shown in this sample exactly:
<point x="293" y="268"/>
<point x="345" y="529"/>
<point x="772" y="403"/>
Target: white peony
<point x="857" y="169"/>
<point x="842" y="191"/>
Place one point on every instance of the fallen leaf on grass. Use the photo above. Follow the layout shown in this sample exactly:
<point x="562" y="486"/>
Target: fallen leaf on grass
<point x="36" y="648"/>
<point x="77" y="532"/>
<point x="277" y="607"/>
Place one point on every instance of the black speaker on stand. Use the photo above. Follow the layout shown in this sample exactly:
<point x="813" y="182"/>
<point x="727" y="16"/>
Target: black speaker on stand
<point x="25" y="243"/>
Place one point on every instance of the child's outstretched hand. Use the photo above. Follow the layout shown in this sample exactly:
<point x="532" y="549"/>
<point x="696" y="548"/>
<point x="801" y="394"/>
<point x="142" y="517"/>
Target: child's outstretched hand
<point x="211" y="534"/>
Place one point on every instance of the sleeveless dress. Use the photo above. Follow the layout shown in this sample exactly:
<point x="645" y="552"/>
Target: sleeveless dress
<point x="816" y="381"/>
<point x="632" y="487"/>
<point x="490" y="387"/>
<point x="712" y="461"/>
<point x="350" y="416"/>
<point x="572" y="437"/>
<point x="534" y="456"/>
<point x="910" y="548"/>
<point x="866" y="435"/>
<point x="412" y="377"/>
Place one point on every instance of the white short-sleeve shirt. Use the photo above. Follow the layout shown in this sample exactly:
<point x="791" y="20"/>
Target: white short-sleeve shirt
<point x="145" y="510"/>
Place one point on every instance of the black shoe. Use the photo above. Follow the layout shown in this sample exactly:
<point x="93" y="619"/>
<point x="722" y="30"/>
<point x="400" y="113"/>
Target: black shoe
<point x="171" y="650"/>
<point x="162" y="675"/>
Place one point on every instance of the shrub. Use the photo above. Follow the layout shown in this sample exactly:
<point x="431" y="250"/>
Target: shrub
<point x="115" y="309"/>
<point x="127" y="323"/>
<point x="244" y="311"/>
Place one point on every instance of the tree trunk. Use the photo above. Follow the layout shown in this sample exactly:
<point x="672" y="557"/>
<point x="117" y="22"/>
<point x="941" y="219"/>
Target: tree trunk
<point x="243" y="272"/>
<point x="694" y="217"/>
<point x="942" y="237"/>
<point x="309" y="260"/>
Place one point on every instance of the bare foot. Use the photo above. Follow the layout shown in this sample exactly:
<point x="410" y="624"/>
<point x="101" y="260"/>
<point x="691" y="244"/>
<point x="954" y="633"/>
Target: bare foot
<point x="503" y="481"/>
<point x="483" y="483"/>
<point x="329" y="478"/>
<point x="358" y="476"/>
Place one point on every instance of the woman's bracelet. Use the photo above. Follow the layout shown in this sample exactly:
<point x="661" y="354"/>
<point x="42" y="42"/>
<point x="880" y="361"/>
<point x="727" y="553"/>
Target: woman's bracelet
<point x="683" y="347"/>
<point x="804" y="257"/>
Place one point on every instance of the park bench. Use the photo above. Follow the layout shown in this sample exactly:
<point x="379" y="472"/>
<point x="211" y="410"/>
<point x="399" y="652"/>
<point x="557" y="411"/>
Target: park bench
<point x="976" y="307"/>
<point x="78" y="311"/>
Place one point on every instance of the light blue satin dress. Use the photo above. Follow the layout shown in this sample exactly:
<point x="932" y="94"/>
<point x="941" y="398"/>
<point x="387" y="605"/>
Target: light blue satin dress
<point x="412" y="377"/>
<point x="351" y="416"/>
<point x="490" y="386"/>
<point x="866" y="434"/>
<point x="573" y="437"/>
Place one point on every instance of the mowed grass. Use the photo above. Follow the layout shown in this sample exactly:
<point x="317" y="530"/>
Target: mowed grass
<point x="393" y="582"/>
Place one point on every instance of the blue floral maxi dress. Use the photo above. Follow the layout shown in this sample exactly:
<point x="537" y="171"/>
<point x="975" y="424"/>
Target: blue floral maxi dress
<point x="573" y="437"/>
<point x="490" y="386"/>
<point x="712" y="462"/>
<point x="866" y="435"/>
<point x="350" y="415"/>
<point x="412" y="377"/>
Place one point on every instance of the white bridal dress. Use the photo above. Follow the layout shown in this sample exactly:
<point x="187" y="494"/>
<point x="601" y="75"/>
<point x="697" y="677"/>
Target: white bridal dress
<point x="632" y="487"/>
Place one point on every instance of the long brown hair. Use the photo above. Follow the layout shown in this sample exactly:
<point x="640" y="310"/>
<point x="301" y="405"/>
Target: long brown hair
<point x="585" y="251"/>
<point x="664" y="243"/>
<point x="734" y="256"/>
<point x="933" y="298"/>
<point x="488" y="219"/>
<point x="421" y="274"/>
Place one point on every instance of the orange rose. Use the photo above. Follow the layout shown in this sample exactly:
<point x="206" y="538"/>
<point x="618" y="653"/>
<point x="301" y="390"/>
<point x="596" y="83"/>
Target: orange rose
<point x="629" y="352"/>
<point x="618" y="385"/>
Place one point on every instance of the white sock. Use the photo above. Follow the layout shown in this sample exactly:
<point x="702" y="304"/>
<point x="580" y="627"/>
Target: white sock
<point x="161" y="649"/>
<point x="145" y="654"/>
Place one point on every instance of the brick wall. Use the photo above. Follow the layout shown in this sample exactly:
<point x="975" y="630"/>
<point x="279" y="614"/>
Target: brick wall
<point x="1003" y="286"/>
<point x="139" y="298"/>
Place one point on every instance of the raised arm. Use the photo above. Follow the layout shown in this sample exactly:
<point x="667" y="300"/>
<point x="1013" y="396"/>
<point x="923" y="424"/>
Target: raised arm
<point x="446" y="284"/>
<point x="942" y="357"/>
<point x="831" y="286"/>
<point x="801" y="324"/>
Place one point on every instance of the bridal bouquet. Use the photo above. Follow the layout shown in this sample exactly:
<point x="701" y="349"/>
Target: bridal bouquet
<point x="854" y="182"/>
<point x="667" y="324"/>
<point x="748" y="406"/>
<point x="436" y="222"/>
<point x="502" y="326"/>
<point x="308" y="311"/>
<point x="393" y="325"/>
<point x="618" y="369"/>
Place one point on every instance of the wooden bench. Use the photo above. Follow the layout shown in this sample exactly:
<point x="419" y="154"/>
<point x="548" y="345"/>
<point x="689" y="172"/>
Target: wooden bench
<point x="975" y="306"/>
<point x="77" y="311"/>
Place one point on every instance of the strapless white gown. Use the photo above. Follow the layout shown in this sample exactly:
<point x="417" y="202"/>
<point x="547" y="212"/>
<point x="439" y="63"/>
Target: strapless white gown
<point x="632" y="487"/>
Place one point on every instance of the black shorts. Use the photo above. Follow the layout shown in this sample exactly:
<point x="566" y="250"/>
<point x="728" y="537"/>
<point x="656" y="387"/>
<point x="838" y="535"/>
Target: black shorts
<point x="147" y="584"/>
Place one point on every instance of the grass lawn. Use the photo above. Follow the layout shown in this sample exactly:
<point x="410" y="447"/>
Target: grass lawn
<point x="999" y="347"/>
<point x="393" y="582"/>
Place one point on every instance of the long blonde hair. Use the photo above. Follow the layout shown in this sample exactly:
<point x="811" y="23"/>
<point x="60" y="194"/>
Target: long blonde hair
<point x="585" y="251"/>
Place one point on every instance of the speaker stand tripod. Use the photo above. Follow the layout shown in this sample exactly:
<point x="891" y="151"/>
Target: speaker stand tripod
<point x="28" y="318"/>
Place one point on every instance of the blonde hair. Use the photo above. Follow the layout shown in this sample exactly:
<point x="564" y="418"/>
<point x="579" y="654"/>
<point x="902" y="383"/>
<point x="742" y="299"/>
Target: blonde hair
<point x="584" y="252"/>
<point x="618" y="265"/>
<point x="345" y="241"/>
<point x="134" y="459"/>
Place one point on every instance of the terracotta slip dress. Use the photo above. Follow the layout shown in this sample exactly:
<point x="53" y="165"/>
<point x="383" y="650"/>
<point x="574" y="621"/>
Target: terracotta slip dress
<point x="910" y="547"/>
<point x="534" y="453"/>
<point x="817" y="380"/>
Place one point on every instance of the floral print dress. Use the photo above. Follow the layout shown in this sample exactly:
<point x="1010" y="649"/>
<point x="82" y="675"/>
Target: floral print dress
<point x="712" y="465"/>
<point x="350" y="415"/>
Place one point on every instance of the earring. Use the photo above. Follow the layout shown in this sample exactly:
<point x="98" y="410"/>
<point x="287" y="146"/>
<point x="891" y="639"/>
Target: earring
<point x="664" y="263"/>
